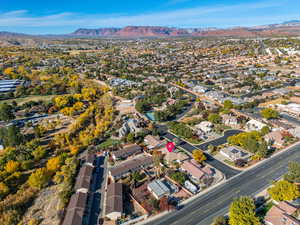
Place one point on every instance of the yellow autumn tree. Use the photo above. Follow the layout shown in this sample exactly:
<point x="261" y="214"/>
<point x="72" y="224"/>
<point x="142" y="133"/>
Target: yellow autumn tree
<point x="89" y="93"/>
<point x="74" y="149"/>
<point x="54" y="164"/>
<point x="12" y="166"/>
<point x="39" y="178"/>
<point x="199" y="156"/>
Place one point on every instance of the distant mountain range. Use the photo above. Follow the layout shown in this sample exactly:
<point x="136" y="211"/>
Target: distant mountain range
<point x="288" y="28"/>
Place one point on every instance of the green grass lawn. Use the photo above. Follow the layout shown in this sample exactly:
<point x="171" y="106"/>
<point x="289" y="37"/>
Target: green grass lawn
<point x="108" y="143"/>
<point x="21" y="101"/>
<point x="229" y="162"/>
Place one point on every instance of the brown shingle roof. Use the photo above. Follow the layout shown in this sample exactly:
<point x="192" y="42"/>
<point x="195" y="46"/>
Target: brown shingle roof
<point x="83" y="179"/>
<point x="114" y="198"/>
<point x="128" y="151"/>
<point x="75" y="210"/>
<point x="133" y="164"/>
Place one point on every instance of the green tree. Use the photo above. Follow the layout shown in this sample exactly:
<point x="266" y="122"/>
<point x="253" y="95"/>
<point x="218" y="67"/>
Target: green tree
<point x="228" y="104"/>
<point x="269" y="113"/>
<point x="39" y="178"/>
<point x="11" y="136"/>
<point x="242" y="212"/>
<point x="179" y="177"/>
<point x="214" y="118"/>
<point x="220" y="220"/>
<point x="284" y="190"/>
<point x="293" y="174"/>
<point x="262" y="151"/>
<point x="39" y="153"/>
<point x="130" y="137"/>
<point x="265" y="130"/>
<point x="6" y="112"/>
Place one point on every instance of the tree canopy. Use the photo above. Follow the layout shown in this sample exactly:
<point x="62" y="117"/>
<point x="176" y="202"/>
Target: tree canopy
<point x="269" y="113"/>
<point x="242" y="212"/>
<point x="6" y="112"/>
<point x="293" y="174"/>
<point x="284" y="190"/>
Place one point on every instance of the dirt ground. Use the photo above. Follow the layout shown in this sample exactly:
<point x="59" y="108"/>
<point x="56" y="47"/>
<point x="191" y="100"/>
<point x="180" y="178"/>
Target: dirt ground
<point x="45" y="207"/>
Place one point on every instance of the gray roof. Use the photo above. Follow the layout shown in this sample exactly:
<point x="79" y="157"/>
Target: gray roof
<point x="158" y="187"/>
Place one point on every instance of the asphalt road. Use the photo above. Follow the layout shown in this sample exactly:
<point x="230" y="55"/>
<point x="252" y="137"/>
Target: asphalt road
<point x="219" y="141"/>
<point x="290" y="119"/>
<point x="202" y="210"/>
<point x="226" y="170"/>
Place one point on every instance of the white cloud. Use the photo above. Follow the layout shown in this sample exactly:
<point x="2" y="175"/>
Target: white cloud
<point x="193" y="17"/>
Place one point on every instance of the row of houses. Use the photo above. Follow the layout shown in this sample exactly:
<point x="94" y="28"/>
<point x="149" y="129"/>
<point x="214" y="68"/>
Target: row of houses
<point x="76" y="212"/>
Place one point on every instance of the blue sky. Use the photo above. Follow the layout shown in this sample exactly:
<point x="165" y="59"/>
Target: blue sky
<point x="62" y="16"/>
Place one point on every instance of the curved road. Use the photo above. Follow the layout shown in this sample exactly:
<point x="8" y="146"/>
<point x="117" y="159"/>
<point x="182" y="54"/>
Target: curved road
<point x="202" y="210"/>
<point x="219" y="141"/>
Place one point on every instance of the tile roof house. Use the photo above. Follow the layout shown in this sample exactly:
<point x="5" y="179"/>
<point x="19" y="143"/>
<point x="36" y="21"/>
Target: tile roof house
<point x="281" y="214"/>
<point x="129" y="166"/>
<point x="76" y="209"/>
<point x="173" y="156"/>
<point x="193" y="170"/>
<point x="114" y="201"/>
<point x="275" y="137"/>
<point x="127" y="151"/>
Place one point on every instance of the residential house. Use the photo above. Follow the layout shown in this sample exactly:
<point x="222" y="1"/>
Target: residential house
<point x="84" y="178"/>
<point x="275" y="138"/>
<point x="229" y="120"/>
<point x="193" y="170"/>
<point x="282" y="214"/>
<point x="252" y="125"/>
<point x="135" y="164"/>
<point x="200" y="89"/>
<point x="291" y="108"/>
<point x="127" y="151"/>
<point x="205" y="126"/>
<point x="130" y="126"/>
<point x="295" y="132"/>
<point x="158" y="189"/>
<point x="234" y="153"/>
<point x="75" y="212"/>
<point x="114" y="201"/>
<point x="152" y="141"/>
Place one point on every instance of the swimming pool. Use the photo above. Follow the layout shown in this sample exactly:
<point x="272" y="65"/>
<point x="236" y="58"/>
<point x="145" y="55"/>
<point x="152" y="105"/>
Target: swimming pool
<point x="150" y="115"/>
